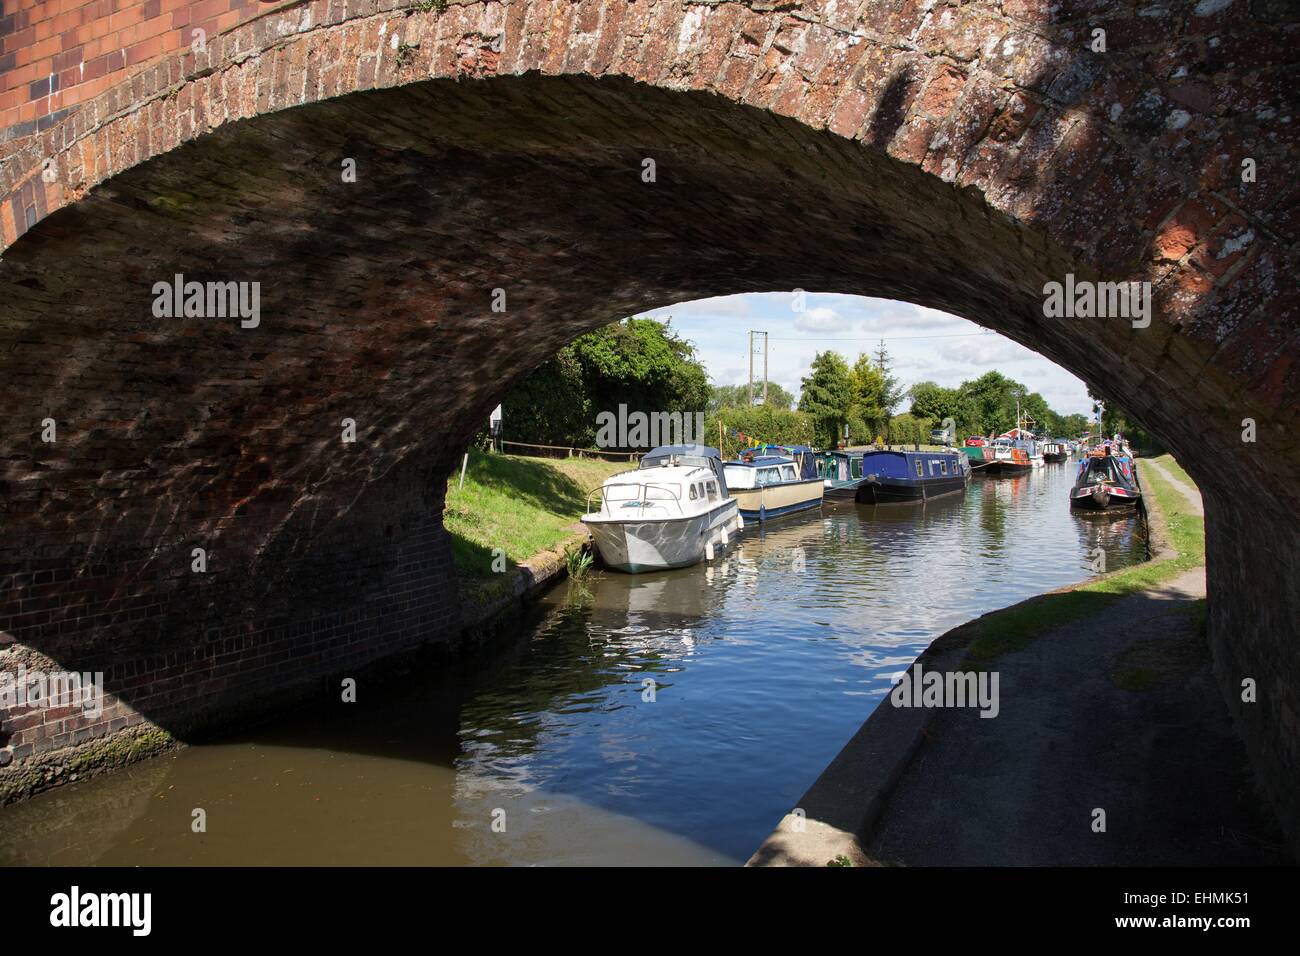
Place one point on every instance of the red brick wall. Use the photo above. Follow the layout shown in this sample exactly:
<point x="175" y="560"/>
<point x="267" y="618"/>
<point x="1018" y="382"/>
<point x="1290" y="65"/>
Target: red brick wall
<point x="184" y="650"/>
<point x="56" y="54"/>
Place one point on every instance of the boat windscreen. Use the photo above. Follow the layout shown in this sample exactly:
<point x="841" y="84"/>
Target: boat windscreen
<point x="690" y="461"/>
<point x="1104" y="469"/>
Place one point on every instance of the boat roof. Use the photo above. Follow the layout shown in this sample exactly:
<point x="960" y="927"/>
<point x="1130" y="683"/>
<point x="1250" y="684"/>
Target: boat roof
<point x="695" y="451"/>
<point x="762" y="460"/>
<point x="911" y="451"/>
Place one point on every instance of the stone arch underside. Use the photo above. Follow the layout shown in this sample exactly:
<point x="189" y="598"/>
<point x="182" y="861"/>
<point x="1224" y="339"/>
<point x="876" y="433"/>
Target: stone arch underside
<point x="179" y="433"/>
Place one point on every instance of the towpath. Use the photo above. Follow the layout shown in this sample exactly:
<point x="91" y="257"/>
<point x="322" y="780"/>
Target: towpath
<point x="1112" y="746"/>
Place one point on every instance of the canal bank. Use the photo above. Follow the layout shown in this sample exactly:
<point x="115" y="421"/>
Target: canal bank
<point x="513" y="521"/>
<point x="665" y="718"/>
<point x="1109" y="719"/>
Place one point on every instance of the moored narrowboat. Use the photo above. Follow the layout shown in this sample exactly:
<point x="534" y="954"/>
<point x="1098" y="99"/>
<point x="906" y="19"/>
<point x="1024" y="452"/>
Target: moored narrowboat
<point x="977" y="452"/>
<point x="1008" y="456"/>
<point x="1106" y="482"/>
<point x="898" y="477"/>
<point x="841" y="473"/>
<point x="774" y="480"/>
<point x="1056" y="450"/>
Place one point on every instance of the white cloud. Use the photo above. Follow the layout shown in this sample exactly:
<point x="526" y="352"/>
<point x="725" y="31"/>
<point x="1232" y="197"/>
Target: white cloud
<point x="821" y="319"/>
<point x="982" y="351"/>
<point x="924" y="344"/>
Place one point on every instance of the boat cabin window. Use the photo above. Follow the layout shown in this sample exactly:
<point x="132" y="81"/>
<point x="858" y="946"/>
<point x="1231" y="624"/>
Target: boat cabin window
<point x="713" y="490"/>
<point x="787" y="473"/>
<point x="943" y="467"/>
<point x="920" y="469"/>
<point x="767" y="476"/>
<point x="855" y="468"/>
<point x="693" y="495"/>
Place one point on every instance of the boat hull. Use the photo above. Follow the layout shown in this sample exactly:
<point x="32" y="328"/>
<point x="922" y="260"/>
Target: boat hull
<point x="1002" y="460"/>
<point x="1007" y="467"/>
<point x="1092" y="501"/>
<point x="903" y="491"/>
<point x="634" y="546"/>
<point x="1055" y="456"/>
<point x="842" y="491"/>
<point x="775" y="501"/>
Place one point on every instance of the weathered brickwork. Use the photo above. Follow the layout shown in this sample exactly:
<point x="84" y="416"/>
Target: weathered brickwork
<point x="958" y="155"/>
<point x="56" y="55"/>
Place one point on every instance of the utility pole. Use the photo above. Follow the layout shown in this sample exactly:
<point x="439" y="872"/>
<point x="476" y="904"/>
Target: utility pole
<point x="751" y="368"/>
<point x="753" y="333"/>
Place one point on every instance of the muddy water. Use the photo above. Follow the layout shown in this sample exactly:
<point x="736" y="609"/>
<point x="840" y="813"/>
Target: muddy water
<point x="666" y="718"/>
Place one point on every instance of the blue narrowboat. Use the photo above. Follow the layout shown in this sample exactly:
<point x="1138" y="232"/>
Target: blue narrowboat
<point x="896" y="477"/>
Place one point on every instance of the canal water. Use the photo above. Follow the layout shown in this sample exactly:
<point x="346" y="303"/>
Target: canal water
<point x="668" y="718"/>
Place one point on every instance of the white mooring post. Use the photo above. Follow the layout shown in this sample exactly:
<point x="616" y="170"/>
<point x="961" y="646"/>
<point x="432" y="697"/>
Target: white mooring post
<point x="463" y="462"/>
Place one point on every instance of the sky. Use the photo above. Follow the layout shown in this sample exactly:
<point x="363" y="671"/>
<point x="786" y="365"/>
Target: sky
<point x="924" y="345"/>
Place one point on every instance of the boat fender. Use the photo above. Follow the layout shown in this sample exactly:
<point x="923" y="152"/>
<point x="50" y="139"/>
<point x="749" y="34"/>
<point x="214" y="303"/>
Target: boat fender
<point x="708" y="551"/>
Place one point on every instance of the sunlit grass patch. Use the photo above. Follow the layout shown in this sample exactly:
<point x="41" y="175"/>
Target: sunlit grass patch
<point x="521" y="506"/>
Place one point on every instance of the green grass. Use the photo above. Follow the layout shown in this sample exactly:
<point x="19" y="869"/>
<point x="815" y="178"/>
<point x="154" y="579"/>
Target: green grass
<point x="520" y="505"/>
<point x="1014" y="629"/>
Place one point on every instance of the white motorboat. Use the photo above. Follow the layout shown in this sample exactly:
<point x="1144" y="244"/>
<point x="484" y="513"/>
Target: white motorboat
<point x="669" y="513"/>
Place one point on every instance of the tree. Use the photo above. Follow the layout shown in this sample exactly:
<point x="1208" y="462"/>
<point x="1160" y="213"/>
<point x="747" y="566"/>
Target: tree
<point x="552" y="406"/>
<point x="939" y="404"/>
<point x="907" y="429"/>
<point x="641" y="363"/>
<point x="737" y="396"/>
<point x="992" y="400"/>
<point x="892" y="392"/>
<point x="867" y="397"/>
<point x="1116" y="419"/>
<point x="825" y="397"/>
<point x="760" y="424"/>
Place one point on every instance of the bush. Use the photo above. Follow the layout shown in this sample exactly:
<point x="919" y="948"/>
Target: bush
<point x="763" y="423"/>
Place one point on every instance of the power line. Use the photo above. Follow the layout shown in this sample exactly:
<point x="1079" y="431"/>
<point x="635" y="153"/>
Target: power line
<point x="874" y="338"/>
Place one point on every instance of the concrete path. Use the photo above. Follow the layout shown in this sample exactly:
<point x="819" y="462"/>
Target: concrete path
<point x="1189" y="492"/>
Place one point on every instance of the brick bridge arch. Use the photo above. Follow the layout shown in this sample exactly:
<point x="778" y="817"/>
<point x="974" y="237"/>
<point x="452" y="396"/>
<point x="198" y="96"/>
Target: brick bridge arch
<point x="957" y="155"/>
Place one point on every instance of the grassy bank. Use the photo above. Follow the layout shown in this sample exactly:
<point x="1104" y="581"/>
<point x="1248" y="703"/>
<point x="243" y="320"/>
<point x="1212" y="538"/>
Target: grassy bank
<point x="520" y="505"/>
<point x="1184" y="532"/>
